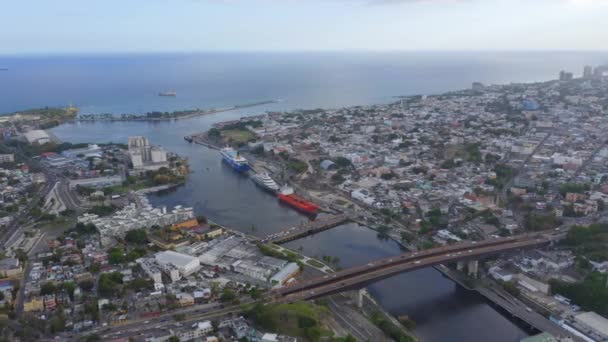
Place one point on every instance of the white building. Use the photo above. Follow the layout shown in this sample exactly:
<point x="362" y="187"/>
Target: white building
<point x="363" y="195"/>
<point x="92" y="150"/>
<point x="447" y="235"/>
<point x="186" y="264"/>
<point x="285" y="274"/>
<point x="7" y="158"/>
<point x="199" y="330"/>
<point x="500" y="274"/>
<point x="144" y="156"/>
<point x="97" y="182"/>
<point x="153" y="271"/>
<point x="593" y="324"/>
<point x="133" y="217"/>
<point x="37" y="136"/>
<point x="561" y="159"/>
<point x="249" y="269"/>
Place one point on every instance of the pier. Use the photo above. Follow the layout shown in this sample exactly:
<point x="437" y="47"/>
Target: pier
<point x="201" y="139"/>
<point x="308" y="228"/>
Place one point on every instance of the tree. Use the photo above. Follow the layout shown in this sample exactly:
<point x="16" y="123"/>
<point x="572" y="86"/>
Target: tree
<point x="214" y="133"/>
<point x="136" y="236"/>
<point x="109" y="283"/>
<point x="116" y="256"/>
<point x="48" y="288"/>
<point x="510" y="287"/>
<point x="21" y="255"/>
<point x="69" y="288"/>
<point x="57" y="323"/>
<point x="227" y="295"/>
<point x="86" y="285"/>
<point x="337" y="178"/>
<point x="139" y="284"/>
<point x="343" y="162"/>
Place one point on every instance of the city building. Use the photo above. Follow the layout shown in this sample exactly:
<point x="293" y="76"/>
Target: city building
<point x="10" y="267"/>
<point x="565" y="76"/>
<point x="37" y="136"/>
<point x="588" y="72"/>
<point x="592" y="324"/>
<point x="34" y="304"/>
<point x="97" y="182"/>
<point x="7" y="158"/>
<point x="91" y="151"/>
<point x="186" y="264"/>
<point x="144" y="156"/>
<point x="135" y="217"/>
<point x="198" y="331"/>
<point x="288" y="272"/>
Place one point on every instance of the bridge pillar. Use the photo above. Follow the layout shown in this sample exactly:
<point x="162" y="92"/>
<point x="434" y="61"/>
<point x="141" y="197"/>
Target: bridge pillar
<point x="460" y="265"/>
<point x="359" y="297"/>
<point x="473" y="268"/>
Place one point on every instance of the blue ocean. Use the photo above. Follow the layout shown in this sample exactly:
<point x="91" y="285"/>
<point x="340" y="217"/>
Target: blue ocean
<point x="131" y="83"/>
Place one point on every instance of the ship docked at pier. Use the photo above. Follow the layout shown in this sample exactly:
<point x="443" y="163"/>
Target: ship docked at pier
<point x="264" y="181"/>
<point x="288" y="197"/>
<point x="232" y="157"/>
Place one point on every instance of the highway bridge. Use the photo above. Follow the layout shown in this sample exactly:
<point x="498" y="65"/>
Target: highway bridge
<point x="363" y="275"/>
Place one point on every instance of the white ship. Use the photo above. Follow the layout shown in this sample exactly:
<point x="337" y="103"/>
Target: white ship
<point x="264" y="181"/>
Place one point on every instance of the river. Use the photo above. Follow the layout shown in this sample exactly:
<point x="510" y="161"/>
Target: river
<point x="442" y="310"/>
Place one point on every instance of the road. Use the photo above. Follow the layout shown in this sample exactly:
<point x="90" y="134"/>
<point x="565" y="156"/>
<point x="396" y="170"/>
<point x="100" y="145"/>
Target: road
<point x="360" y="276"/>
<point x="194" y="314"/>
<point x="15" y="225"/>
<point x="516" y="308"/>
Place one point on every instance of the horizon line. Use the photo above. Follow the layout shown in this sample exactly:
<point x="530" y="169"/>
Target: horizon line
<point x="304" y="51"/>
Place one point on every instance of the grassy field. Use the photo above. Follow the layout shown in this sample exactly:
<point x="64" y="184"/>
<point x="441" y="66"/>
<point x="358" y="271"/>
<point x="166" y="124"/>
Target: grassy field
<point x="238" y="136"/>
<point x="301" y="319"/>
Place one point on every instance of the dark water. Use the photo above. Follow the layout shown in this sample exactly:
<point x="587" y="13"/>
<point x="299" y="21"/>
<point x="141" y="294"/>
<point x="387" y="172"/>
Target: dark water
<point x="129" y="84"/>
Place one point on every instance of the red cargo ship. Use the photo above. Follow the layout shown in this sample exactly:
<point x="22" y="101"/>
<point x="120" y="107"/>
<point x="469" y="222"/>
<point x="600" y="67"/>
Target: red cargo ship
<point x="299" y="203"/>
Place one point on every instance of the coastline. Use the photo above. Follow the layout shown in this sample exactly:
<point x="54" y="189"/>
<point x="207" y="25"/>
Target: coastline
<point x="143" y="118"/>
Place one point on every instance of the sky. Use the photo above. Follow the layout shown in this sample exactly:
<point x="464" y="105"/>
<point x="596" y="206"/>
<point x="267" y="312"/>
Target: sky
<point x="134" y="26"/>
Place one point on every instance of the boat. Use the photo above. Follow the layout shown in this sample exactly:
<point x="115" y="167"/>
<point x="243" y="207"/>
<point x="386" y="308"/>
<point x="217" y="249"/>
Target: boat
<point x="234" y="159"/>
<point x="168" y="93"/>
<point x="264" y="181"/>
<point x="299" y="203"/>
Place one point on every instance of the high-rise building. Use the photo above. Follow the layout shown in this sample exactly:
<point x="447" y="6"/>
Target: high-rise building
<point x="145" y="156"/>
<point x="565" y="76"/>
<point x="477" y="86"/>
<point x="587" y="71"/>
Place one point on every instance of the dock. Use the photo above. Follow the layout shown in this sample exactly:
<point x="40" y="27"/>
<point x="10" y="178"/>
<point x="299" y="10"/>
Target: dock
<point x="308" y="228"/>
<point x="201" y="139"/>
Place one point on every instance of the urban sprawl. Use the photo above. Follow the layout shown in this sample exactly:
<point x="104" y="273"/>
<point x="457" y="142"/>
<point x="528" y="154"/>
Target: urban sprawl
<point x="87" y="257"/>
